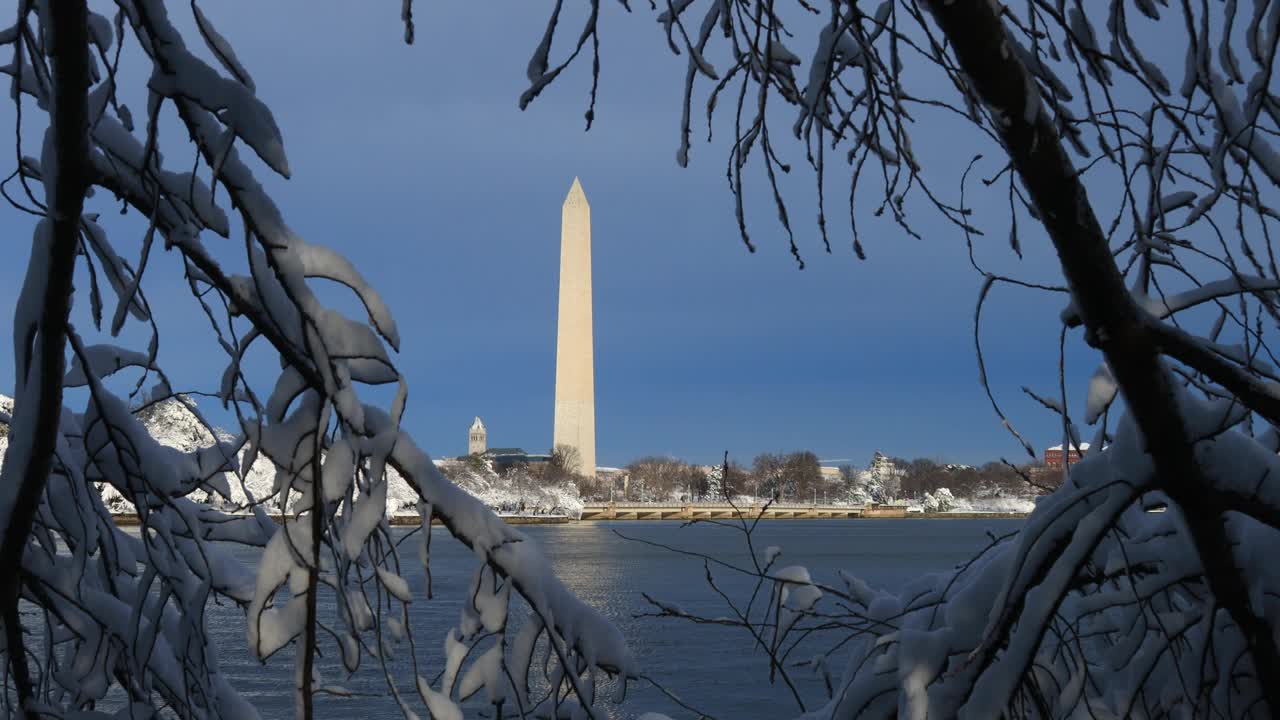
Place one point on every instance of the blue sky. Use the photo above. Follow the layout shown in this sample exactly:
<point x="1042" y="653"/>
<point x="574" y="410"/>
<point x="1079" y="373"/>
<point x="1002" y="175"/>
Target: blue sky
<point x="416" y="162"/>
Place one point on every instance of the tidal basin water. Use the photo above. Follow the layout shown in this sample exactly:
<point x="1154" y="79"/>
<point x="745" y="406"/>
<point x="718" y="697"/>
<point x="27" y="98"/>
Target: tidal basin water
<point x="716" y="669"/>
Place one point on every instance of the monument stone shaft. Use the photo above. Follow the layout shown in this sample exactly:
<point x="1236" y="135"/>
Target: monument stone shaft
<point x="575" y="422"/>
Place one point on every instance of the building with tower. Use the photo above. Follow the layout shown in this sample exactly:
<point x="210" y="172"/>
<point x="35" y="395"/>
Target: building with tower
<point x="1055" y="458"/>
<point x="478" y="439"/>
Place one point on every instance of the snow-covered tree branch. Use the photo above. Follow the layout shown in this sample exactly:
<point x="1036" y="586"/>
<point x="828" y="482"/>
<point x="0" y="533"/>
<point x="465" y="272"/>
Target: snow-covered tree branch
<point x="1157" y="197"/>
<point x="124" y="612"/>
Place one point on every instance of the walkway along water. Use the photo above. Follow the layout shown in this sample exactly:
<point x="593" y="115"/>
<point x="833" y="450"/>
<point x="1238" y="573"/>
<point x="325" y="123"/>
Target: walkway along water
<point x="770" y="511"/>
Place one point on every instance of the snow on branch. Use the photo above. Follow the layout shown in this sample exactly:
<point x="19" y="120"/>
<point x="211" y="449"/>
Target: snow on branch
<point x="1139" y="138"/>
<point x="124" y="611"/>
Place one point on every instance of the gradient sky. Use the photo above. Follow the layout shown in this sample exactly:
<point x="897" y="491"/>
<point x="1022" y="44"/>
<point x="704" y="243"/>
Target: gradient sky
<point x="416" y="162"/>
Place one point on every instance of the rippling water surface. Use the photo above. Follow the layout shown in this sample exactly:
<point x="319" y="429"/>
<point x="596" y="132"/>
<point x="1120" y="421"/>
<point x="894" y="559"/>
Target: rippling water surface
<point x="710" y="667"/>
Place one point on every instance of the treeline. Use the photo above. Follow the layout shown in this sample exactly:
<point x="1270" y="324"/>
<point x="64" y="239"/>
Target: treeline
<point x="785" y="477"/>
<point x="922" y="475"/>
<point x="791" y="476"/>
<point x="798" y="477"/>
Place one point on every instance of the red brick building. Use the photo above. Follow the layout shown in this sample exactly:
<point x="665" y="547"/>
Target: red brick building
<point x="1053" y="455"/>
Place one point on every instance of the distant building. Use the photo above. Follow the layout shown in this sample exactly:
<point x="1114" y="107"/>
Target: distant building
<point x="829" y="473"/>
<point x="1053" y="456"/>
<point x="477" y="441"/>
<point x="504" y="459"/>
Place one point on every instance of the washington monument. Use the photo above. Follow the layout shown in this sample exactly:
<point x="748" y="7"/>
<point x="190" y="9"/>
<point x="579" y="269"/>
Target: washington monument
<point x="575" y="423"/>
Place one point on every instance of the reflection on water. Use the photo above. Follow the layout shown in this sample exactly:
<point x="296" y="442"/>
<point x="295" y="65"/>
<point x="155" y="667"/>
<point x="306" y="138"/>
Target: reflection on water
<point x="710" y="667"/>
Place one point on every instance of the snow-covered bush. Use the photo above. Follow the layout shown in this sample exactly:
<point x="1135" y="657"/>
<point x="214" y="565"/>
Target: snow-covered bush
<point x="715" y="483"/>
<point x="518" y="491"/>
<point x="940" y="501"/>
<point x="6" y="411"/>
<point x="1022" y="504"/>
<point x="878" y="484"/>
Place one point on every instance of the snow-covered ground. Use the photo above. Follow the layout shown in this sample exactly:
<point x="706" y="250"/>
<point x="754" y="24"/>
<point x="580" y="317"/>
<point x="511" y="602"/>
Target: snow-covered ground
<point x="994" y="504"/>
<point x="943" y="501"/>
<point x="515" y="493"/>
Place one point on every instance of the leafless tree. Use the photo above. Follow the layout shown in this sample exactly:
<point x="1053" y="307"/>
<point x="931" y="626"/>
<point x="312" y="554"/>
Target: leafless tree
<point x="565" y="461"/>
<point x="659" y="477"/>
<point x="768" y="475"/>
